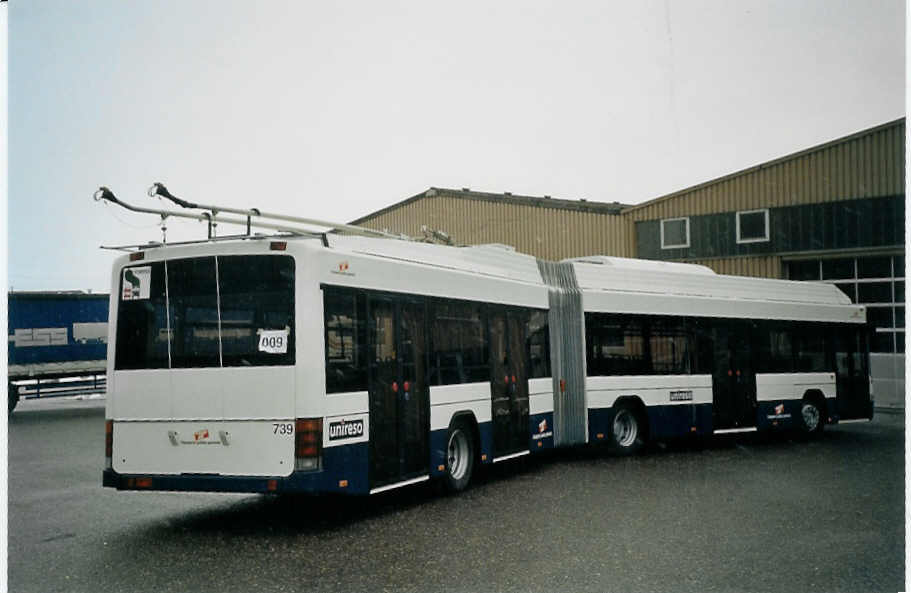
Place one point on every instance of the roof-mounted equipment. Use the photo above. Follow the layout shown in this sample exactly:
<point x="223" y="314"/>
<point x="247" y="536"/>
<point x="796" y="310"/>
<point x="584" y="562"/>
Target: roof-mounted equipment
<point x="253" y="217"/>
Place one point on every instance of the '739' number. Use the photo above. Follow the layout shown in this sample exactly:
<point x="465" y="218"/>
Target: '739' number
<point x="282" y="428"/>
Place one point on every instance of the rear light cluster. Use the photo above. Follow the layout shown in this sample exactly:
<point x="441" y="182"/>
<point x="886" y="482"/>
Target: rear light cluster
<point x="108" y="443"/>
<point x="308" y="439"/>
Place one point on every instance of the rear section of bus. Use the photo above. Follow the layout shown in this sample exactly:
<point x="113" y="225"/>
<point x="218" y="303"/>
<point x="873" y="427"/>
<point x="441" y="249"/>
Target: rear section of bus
<point x="201" y="371"/>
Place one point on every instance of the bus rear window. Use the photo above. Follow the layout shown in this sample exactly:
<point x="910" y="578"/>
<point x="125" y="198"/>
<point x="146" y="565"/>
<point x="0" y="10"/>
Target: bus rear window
<point x="207" y="312"/>
<point x="257" y="310"/>
<point x="193" y="313"/>
<point x="142" y="319"/>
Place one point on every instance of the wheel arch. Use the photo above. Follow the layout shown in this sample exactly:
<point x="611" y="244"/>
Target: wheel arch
<point x="818" y="397"/>
<point x="468" y="418"/>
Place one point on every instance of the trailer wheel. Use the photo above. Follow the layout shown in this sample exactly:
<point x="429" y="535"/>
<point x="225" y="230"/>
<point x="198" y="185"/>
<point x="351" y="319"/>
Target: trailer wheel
<point x="811" y="419"/>
<point x="628" y="432"/>
<point x="12" y="392"/>
<point x="460" y="454"/>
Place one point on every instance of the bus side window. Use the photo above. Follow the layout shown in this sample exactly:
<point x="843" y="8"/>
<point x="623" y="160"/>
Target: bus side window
<point x="809" y="349"/>
<point x="774" y="352"/>
<point x="459" y="352"/>
<point x="704" y="348"/>
<point x="345" y="326"/>
<point x="669" y="345"/>
<point x="616" y="345"/>
<point x="781" y="355"/>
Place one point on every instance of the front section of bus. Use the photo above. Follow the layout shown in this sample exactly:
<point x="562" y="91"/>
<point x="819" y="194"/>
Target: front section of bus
<point x="202" y="370"/>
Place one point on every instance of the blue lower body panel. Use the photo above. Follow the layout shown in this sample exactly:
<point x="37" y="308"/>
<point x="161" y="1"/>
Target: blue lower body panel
<point x="541" y="431"/>
<point x="679" y="420"/>
<point x="786" y="415"/>
<point x="663" y="421"/>
<point x="778" y="415"/>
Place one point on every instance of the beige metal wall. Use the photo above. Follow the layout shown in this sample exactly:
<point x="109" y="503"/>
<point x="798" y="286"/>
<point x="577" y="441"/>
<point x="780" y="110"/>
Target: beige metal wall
<point x="864" y="165"/>
<point x="548" y="233"/>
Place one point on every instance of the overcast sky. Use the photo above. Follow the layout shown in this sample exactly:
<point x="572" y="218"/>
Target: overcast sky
<point x="334" y="110"/>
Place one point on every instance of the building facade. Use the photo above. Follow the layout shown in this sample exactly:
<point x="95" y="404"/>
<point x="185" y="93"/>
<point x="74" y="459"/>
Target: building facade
<point x="832" y="213"/>
<point x="541" y="226"/>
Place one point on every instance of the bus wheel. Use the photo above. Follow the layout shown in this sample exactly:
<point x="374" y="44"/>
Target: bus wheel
<point x="811" y="417"/>
<point x="13" y="396"/>
<point x="627" y="431"/>
<point x="460" y="456"/>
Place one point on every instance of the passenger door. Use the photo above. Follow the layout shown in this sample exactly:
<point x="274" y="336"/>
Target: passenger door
<point x="509" y="381"/>
<point x="399" y="404"/>
<point x="414" y="395"/>
<point x="852" y="382"/>
<point x="733" y="375"/>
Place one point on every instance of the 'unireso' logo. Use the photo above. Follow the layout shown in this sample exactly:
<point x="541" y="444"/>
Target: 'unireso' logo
<point x="346" y="429"/>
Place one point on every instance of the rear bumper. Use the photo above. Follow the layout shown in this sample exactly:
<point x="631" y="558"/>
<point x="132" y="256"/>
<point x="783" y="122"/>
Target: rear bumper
<point x="344" y="471"/>
<point x="189" y="483"/>
<point x="304" y="483"/>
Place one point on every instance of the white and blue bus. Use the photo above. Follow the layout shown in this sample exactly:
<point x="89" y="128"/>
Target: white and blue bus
<point x="346" y="364"/>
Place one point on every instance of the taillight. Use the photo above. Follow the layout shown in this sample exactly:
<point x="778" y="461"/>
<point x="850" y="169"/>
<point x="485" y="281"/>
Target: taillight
<point x="308" y="439"/>
<point x="108" y="443"/>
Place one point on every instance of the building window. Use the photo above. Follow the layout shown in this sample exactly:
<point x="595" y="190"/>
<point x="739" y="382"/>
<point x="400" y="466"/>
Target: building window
<point x="807" y="269"/>
<point x="877" y="282"/>
<point x="675" y="233"/>
<point x="838" y="269"/>
<point x="753" y="226"/>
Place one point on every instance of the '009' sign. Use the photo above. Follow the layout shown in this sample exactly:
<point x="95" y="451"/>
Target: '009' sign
<point x="273" y="341"/>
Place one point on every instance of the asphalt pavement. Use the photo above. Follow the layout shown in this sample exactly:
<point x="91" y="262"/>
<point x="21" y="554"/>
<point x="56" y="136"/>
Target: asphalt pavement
<point x="740" y="513"/>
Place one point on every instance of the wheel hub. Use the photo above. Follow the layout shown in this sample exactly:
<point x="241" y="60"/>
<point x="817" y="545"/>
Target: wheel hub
<point x="810" y="415"/>
<point x="626" y="429"/>
<point x="457" y="455"/>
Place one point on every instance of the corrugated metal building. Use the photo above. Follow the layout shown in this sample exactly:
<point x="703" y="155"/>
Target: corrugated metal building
<point x="832" y="213"/>
<point x="541" y="226"/>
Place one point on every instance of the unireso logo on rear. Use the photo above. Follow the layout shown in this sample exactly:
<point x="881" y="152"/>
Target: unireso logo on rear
<point x="345" y="429"/>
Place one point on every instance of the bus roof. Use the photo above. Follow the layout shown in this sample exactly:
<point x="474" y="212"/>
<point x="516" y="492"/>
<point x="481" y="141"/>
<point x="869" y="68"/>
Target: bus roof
<point x="698" y="281"/>
<point x="634" y="285"/>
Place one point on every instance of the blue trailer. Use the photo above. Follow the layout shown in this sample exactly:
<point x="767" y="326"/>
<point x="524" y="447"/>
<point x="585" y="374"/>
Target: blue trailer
<point x="57" y="344"/>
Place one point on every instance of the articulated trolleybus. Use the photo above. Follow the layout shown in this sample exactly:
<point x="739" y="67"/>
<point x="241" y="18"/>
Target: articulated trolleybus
<point x="352" y="362"/>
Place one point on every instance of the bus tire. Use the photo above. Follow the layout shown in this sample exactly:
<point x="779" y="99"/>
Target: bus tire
<point x="628" y="430"/>
<point x="460" y="456"/>
<point x="13" y="397"/>
<point x="811" y="416"/>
